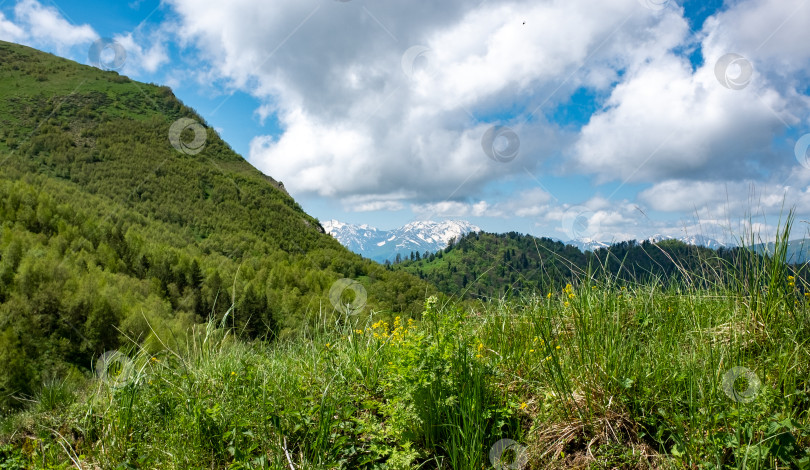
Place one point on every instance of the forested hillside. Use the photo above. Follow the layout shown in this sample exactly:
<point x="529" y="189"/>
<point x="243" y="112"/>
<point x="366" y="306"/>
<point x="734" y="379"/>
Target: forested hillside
<point x="108" y="232"/>
<point x="486" y="265"/>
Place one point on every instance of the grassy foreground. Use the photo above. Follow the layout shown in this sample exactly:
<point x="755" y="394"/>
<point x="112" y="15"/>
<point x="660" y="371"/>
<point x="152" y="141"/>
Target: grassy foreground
<point x="594" y="376"/>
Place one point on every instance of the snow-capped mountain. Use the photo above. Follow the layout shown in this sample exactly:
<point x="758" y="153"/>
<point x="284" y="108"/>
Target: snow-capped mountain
<point x="381" y="245"/>
<point x="587" y="244"/>
<point x="697" y="240"/>
<point x="357" y="238"/>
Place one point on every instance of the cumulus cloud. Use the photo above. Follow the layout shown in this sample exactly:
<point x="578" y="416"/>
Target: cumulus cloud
<point x="666" y="120"/>
<point x="44" y="26"/>
<point x="596" y="219"/>
<point x="140" y="57"/>
<point x="773" y="34"/>
<point x="527" y="203"/>
<point x="10" y="31"/>
<point x="445" y="209"/>
<point x="363" y="112"/>
<point x="725" y="199"/>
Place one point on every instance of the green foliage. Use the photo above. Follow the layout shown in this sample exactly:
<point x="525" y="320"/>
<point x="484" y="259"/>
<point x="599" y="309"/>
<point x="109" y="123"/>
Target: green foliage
<point x="591" y="377"/>
<point x="107" y="233"/>
<point x="486" y="265"/>
<point x="162" y="310"/>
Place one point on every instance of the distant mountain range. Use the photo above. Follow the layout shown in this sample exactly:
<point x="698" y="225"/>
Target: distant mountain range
<point x="798" y="251"/>
<point x="587" y="244"/>
<point x="432" y="236"/>
<point x="382" y="245"/>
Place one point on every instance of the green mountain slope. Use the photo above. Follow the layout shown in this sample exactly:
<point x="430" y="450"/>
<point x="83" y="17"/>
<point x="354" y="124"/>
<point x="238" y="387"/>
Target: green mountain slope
<point x="109" y="233"/>
<point x="488" y="265"/>
<point x="492" y="265"/>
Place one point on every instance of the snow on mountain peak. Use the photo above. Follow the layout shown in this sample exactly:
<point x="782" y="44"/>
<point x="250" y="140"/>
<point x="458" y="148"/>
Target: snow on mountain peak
<point x="381" y="245"/>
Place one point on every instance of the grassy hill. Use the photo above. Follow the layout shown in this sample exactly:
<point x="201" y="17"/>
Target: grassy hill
<point x="108" y="232"/>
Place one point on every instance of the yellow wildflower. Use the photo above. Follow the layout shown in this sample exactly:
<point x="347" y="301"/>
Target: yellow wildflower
<point x="523" y="406"/>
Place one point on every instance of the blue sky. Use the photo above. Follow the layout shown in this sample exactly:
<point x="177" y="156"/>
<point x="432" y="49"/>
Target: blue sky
<point x="628" y="118"/>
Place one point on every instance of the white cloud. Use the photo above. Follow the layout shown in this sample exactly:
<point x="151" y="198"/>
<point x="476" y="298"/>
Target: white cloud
<point x="667" y="121"/>
<point x="139" y="58"/>
<point x="10" y="31"/>
<point x="773" y="34"/>
<point x="725" y="199"/>
<point x="354" y="122"/>
<point x="450" y="209"/>
<point x="527" y="203"/>
<point x="46" y="27"/>
<point x="596" y="219"/>
<point x="375" y="202"/>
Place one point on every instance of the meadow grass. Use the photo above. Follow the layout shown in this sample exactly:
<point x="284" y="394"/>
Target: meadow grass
<point x="598" y="375"/>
